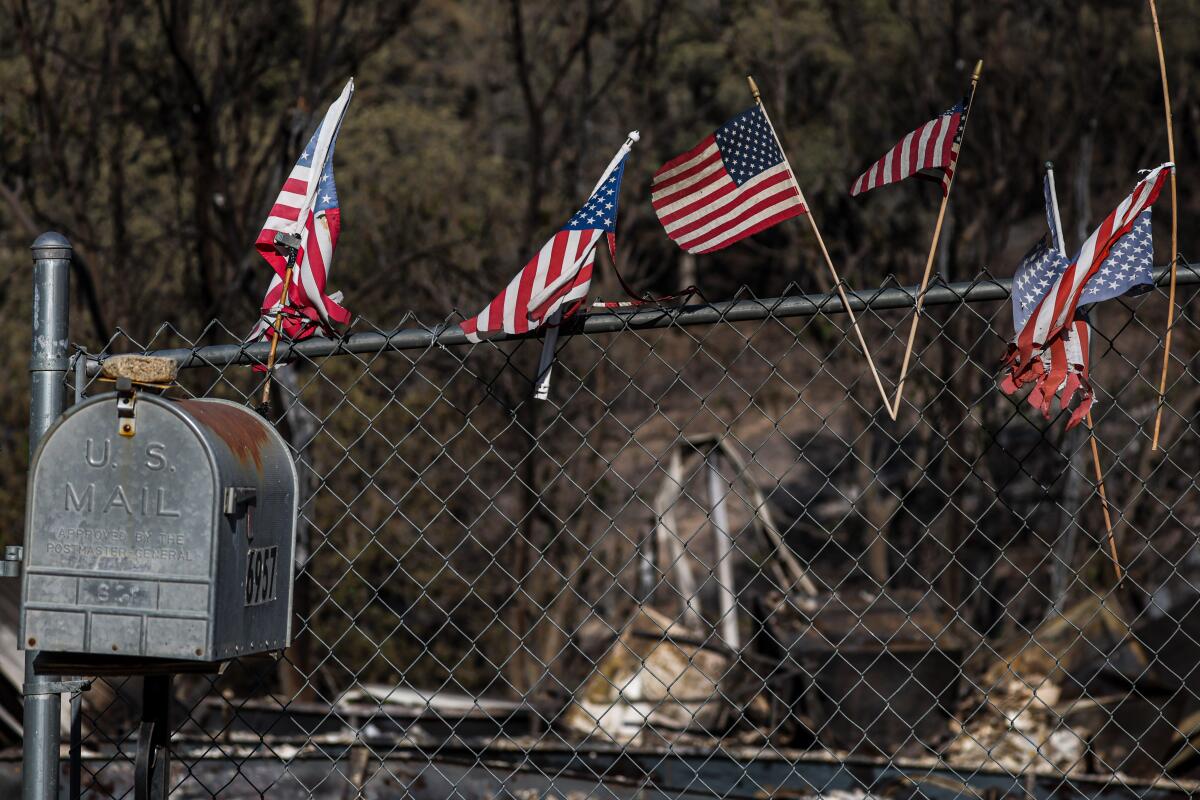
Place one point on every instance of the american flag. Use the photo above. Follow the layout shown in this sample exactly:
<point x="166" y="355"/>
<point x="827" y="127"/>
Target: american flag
<point x="1050" y="349"/>
<point x="308" y="208"/>
<point x="931" y="152"/>
<point x="733" y="184"/>
<point x="1036" y="273"/>
<point x="1076" y="352"/>
<point x="561" y="272"/>
<point x="1057" y="308"/>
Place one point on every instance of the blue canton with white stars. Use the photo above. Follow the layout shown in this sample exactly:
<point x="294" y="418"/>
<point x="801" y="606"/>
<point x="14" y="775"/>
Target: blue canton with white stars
<point x="1129" y="264"/>
<point x="747" y="146"/>
<point x="1038" y="271"/>
<point x="600" y="210"/>
<point x="326" y="188"/>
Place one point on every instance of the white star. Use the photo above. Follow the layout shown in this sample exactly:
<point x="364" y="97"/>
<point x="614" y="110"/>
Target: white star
<point x="325" y="198"/>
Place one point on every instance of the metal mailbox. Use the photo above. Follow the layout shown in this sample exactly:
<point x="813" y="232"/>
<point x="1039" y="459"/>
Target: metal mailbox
<point x="159" y="529"/>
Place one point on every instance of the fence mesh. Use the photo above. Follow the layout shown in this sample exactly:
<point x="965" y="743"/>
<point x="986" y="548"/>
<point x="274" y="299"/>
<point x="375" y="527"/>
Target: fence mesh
<point x="710" y="565"/>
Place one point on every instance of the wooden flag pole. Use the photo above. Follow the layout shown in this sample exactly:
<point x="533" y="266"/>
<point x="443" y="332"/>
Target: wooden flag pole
<point x="1162" y="382"/>
<point x="289" y="246"/>
<point x="837" y="281"/>
<point x="1061" y="243"/>
<point x="894" y="409"/>
<point x="276" y="326"/>
<point x="1112" y="539"/>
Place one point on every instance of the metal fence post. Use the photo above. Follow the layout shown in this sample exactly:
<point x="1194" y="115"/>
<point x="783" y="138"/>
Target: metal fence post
<point x="47" y="372"/>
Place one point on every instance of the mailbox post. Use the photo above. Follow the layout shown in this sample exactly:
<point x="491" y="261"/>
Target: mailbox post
<point x="47" y="372"/>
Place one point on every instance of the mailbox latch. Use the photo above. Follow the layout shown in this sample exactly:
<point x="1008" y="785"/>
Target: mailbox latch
<point x="126" y="398"/>
<point x="237" y="503"/>
<point x="238" y="496"/>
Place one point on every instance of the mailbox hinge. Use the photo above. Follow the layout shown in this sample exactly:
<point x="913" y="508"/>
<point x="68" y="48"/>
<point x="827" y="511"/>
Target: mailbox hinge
<point x="126" y="398"/>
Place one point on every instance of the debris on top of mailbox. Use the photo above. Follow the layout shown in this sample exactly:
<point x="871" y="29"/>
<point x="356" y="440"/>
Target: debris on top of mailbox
<point x="140" y="369"/>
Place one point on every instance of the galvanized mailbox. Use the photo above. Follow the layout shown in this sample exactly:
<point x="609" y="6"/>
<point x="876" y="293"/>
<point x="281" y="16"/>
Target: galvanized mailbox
<point x="159" y="528"/>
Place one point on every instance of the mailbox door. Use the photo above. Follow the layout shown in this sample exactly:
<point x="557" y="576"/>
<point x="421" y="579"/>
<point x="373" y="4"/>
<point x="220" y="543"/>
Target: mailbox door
<point x="120" y="548"/>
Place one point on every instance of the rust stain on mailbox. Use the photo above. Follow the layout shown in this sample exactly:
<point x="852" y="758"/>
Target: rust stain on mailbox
<point x="239" y="431"/>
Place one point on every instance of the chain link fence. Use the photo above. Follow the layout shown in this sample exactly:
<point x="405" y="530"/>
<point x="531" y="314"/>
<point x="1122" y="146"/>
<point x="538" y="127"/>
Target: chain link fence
<point x="710" y="565"/>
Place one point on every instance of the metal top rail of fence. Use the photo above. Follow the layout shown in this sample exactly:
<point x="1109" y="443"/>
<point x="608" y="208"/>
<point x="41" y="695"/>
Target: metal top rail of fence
<point x="710" y="568"/>
<point x="981" y="289"/>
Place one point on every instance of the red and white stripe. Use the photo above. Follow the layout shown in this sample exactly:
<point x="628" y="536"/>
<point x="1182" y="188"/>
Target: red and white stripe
<point x="511" y="311"/>
<point x="703" y="209"/>
<point x="934" y="145"/>
<point x="1064" y="367"/>
<point x="1061" y="370"/>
